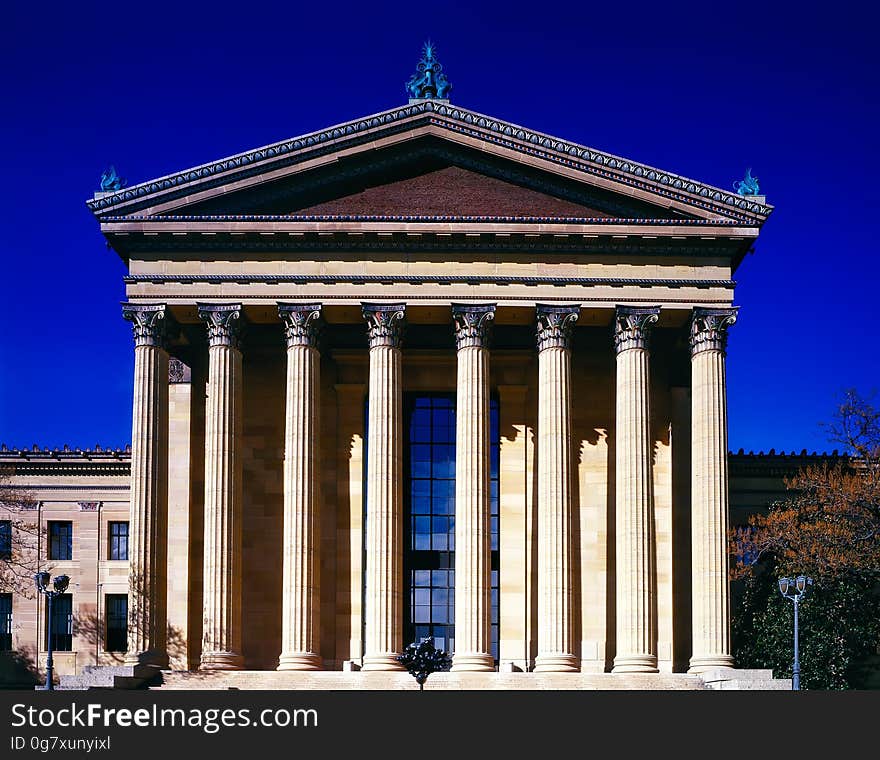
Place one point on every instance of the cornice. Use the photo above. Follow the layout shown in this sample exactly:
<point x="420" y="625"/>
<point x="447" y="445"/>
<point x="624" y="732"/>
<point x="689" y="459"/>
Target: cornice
<point x="454" y="119"/>
<point x="470" y="279"/>
<point x="415" y="218"/>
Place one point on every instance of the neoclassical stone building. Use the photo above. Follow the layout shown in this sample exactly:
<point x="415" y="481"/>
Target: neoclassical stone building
<point x="433" y="374"/>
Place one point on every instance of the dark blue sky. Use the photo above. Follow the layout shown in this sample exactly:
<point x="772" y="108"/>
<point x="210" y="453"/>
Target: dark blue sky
<point x="701" y="89"/>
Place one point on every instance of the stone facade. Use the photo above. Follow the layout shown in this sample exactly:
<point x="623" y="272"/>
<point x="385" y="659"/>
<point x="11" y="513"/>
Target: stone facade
<point x="269" y="489"/>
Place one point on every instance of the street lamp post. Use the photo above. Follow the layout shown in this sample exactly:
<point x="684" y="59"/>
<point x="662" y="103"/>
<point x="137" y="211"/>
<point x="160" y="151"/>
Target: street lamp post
<point x="794" y="589"/>
<point x="41" y="580"/>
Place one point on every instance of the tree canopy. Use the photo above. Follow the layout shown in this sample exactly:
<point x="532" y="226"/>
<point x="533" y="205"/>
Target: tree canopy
<point x="827" y="527"/>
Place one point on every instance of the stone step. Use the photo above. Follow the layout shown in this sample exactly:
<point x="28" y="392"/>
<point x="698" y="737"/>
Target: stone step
<point x="744" y="680"/>
<point x="341" y="680"/>
<point x="109" y="677"/>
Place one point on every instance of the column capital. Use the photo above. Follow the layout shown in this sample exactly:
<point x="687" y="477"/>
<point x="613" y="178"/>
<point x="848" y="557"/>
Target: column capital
<point x="709" y="329"/>
<point x="302" y="323"/>
<point x="472" y="324"/>
<point x="151" y="323"/>
<point x="632" y="326"/>
<point x="384" y="323"/>
<point x="225" y="322"/>
<point x="554" y="325"/>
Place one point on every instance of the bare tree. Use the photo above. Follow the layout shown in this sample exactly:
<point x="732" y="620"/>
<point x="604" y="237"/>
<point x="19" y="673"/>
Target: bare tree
<point x="20" y="537"/>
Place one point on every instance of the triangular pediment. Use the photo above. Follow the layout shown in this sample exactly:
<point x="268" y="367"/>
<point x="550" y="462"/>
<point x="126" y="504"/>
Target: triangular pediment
<point x="451" y="191"/>
<point x="429" y="160"/>
<point x="426" y="177"/>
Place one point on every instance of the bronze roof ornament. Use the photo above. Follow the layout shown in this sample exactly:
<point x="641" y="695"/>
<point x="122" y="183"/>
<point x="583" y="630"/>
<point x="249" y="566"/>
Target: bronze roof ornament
<point x="429" y="81"/>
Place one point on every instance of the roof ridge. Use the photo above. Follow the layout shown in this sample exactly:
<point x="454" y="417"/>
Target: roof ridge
<point x="782" y="453"/>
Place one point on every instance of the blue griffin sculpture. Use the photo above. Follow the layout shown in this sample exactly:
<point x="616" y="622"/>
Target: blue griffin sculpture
<point x="111" y="181"/>
<point x="747" y="186"/>
<point x="429" y="81"/>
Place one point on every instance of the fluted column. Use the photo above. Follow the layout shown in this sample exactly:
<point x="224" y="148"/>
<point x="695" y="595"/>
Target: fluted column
<point x="221" y="636"/>
<point x="555" y="641"/>
<point x="384" y="622"/>
<point x="634" y="504"/>
<point x="301" y="602"/>
<point x="709" y="492"/>
<point x="152" y="324"/>
<point x="473" y="565"/>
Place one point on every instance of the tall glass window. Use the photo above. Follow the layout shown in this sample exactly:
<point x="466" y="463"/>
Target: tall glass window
<point x="429" y="493"/>
<point x="62" y="623"/>
<point x="116" y="615"/>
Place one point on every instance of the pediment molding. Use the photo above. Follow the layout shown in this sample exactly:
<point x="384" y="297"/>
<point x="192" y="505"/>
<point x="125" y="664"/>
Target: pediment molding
<point x="447" y="122"/>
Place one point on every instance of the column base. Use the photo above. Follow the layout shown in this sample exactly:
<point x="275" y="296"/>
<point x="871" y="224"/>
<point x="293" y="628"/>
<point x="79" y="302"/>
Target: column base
<point x="221" y="661"/>
<point x="635" y="663"/>
<point x="710" y="662"/>
<point x="556" y="663"/>
<point x="473" y="661"/>
<point x="381" y="662"/>
<point x="300" y="661"/>
<point x="152" y="657"/>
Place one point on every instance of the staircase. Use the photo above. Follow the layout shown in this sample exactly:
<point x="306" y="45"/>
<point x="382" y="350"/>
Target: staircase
<point x="399" y="681"/>
<point x="150" y="677"/>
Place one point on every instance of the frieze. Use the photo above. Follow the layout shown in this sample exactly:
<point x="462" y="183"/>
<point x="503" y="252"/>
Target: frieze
<point x="225" y="323"/>
<point x="632" y="327"/>
<point x="402" y="242"/>
<point x="384" y="323"/>
<point x="709" y="299"/>
<point x="554" y="325"/>
<point x="486" y="128"/>
<point x="709" y="329"/>
<point x="302" y="323"/>
<point x="472" y="324"/>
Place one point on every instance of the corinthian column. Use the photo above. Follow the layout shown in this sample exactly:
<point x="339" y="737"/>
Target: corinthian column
<point x="555" y="646"/>
<point x="147" y="538"/>
<point x="221" y="640"/>
<point x="636" y="581"/>
<point x="384" y="623"/>
<point x="473" y="566"/>
<point x="709" y="495"/>
<point x="301" y="604"/>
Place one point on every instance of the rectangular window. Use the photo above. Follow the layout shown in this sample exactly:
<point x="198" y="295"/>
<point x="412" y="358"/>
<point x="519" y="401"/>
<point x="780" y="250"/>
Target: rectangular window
<point x="62" y="623"/>
<point x="5" y="539"/>
<point x="116" y="616"/>
<point x="118" y="538"/>
<point x="5" y="622"/>
<point x="60" y="539"/>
